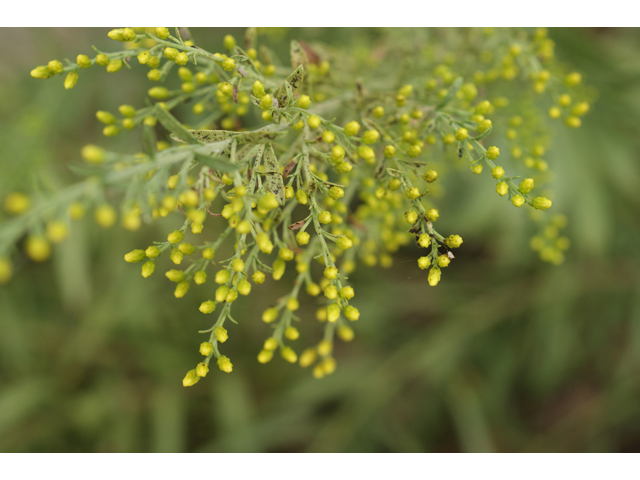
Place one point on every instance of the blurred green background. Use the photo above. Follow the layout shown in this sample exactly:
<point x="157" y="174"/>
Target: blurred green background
<point x="506" y="354"/>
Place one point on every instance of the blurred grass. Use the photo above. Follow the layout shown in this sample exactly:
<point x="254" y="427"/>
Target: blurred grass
<point x="506" y="354"/>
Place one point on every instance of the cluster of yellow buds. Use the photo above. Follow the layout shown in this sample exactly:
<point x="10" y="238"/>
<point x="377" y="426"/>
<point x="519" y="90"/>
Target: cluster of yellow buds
<point x="312" y="177"/>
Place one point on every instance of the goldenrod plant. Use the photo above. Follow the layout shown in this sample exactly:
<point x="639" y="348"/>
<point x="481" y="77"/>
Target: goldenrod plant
<point x="321" y="163"/>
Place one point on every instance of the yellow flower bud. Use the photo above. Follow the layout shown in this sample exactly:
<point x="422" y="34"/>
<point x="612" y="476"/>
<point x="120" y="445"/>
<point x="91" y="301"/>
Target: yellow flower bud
<point x="462" y="134"/>
<point x="484" y="125"/>
<point x="127" y="110"/>
<point x="159" y="93"/>
<point x="288" y="354"/>
<point x="148" y="268"/>
<point x="308" y="357"/>
<point x="266" y="102"/>
<point x="336" y="193"/>
<point x="175" y="275"/>
<point x="493" y="153"/>
<point x="135" y="256"/>
<point x="221" y="293"/>
<point x="314" y="121"/>
<point x="526" y="185"/>
<point x="229" y="42"/>
<point x="573" y="79"/>
<point x="367" y="154"/>
<point x="554" y="112"/>
<point x="304" y="101"/>
<point x="16" y="203"/>
<point x="181" y="289"/>
<point x="106" y="117"/>
<point x="268" y="202"/>
<point x="476" y="169"/>
<point x="176" y="256"/>
<point x="37" y="248"/>
<point x="206" y="348"/>
<point x="448" y="139"/>
<point x="352" y="128"/>
<point x="55" y="66"/>
<point x="378" y="112"/>
<point x="454" y="241"/>
<point x="225" y="364"/>
<point x="331" y="292"/>
<point x="105" y="216"/>
<point x="171" y="53"/>
<point x="292" y="304"/>
<point x="221" y="334"/>
<point x="411" y="217"/>
<point x="345" y="333"/>
<point x="318" y="371"/>
<point x="333" y="312"/>
<point x="116" y="35"/>
<point x="328" y="136"/>
<point x="541" y="203"/>
<point x="302" y="197"/>
<point x="202" y="369"/>
<point x="200" y="277"/>
<point x="325" y="348"/>
<point x="502" y="188"/>
<point x="573" y="122"/>
<point x="347" y="293"/>
<point x="258" y="277"/>
<point x="517" y="200"/>
<point x="413" y="193"/>
<point x="424" y="262"/>
<point x="265" y="356"/>
<point x="114" y="65"/>
<point x="344" y="243"/>
<point x="190" y="379"/>
<point x="71" y="80"/>
<point x="269" y="315"/>
<point x="432" y="214"/>
<point x="175" y="237"/>
<point x="237" y="264"/>
<point x="110" y="131"/>
<point x="207" y="307"/>
<point x="443" y="261"/>
<point x="434" y="276"/>
<point x="370" y="136"/>
<point x="41" y="72"/>
<point x="228" y="65"/>
<point x="162" y="33"/>
<point x="497" y="172"/>
<point x="580" y="109"/>
<point x="102" y="60"/>
<point x="143" y="57"/>
<point x="424" y="240"/>
<point x="291" y="333"/>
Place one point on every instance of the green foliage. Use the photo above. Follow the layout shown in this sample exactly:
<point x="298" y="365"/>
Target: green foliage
<point x="506" y="354"/>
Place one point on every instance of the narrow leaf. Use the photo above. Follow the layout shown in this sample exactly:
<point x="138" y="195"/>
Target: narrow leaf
<point x="217" y="163"/>
<point x="170" y="122"/>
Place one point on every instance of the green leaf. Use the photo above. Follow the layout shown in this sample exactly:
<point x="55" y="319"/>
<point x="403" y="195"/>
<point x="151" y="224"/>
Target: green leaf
<point x="295" y="81"/>
<point x="170" y="122"/>
<point x="455" y="86"/>
<point x="274" y="177"/>
<point x="217" y="163"/>
<point x="483" y="134"/>
<point x="149" y="140"/>
<point x="298" y="55"/>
